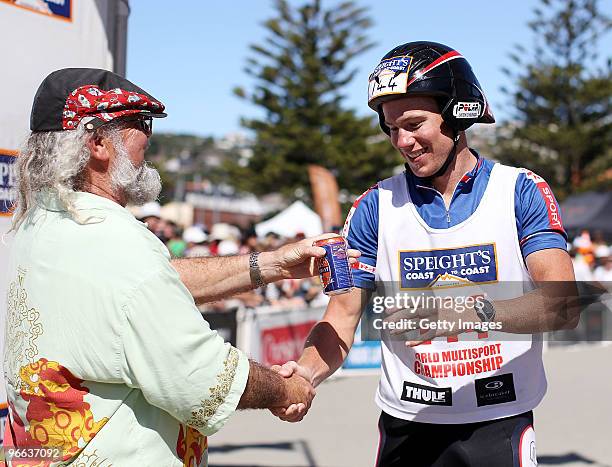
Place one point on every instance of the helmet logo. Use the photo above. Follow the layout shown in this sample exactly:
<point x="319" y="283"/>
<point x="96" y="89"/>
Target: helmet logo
<point x="389" y="77"/>
<point x="467" y="110"/>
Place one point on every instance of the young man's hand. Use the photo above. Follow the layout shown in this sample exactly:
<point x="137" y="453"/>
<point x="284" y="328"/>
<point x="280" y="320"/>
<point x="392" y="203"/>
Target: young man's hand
<point x="297" y="411"/>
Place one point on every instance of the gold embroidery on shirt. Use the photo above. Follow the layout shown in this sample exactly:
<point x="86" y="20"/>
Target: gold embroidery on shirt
<point x="91" y="459"/>
<point x="23" y="328"/>
<point x="203" y="413"/>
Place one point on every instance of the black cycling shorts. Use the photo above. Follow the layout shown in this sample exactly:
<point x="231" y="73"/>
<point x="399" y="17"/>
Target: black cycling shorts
<point x="506" y="442"/>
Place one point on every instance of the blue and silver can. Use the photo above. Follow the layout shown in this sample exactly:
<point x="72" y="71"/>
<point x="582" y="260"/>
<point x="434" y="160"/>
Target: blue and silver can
<point x="334" y="267"/>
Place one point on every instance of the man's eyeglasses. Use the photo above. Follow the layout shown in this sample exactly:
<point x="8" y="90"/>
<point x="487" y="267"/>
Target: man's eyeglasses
<point x="142" y="123"/>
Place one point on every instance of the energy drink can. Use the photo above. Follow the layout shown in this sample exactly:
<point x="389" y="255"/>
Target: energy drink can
<point x="334" y="268"/>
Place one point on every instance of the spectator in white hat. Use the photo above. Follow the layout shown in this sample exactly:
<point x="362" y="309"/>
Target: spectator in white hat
<point x="196" y="240"/>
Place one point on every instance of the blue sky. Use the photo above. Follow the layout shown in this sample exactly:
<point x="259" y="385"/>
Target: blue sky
<point x="191" y="54"/>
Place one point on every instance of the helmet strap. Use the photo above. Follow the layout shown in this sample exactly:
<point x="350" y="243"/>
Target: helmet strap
<point x="449" y="159"/>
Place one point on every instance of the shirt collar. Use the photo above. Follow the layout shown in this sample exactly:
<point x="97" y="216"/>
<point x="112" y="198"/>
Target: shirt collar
<point x="468" y="178"/>
<point x="83" y="201"/>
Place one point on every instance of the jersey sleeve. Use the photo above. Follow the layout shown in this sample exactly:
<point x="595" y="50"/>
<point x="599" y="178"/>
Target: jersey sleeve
<point x="361" y="233"/>
<point x="538" y="217"/>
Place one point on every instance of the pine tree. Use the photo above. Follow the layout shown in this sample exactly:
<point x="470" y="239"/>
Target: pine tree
<point x="300" y="71"/>
<point x="562" y="127"/>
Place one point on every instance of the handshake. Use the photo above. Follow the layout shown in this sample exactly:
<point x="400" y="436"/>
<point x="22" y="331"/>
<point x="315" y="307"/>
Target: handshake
<point x="300" y="392"/>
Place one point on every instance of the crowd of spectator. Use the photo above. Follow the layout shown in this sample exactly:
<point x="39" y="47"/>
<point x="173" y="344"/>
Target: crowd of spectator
<point x="592" y="260"/>
<point x="592" y="257"/>
<point x="224" y="239"/>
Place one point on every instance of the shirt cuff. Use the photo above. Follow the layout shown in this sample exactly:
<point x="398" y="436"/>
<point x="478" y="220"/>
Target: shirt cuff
<point x="364" y="283"/>
<point x="231" y="383"/>
<point x="543" y="241"/>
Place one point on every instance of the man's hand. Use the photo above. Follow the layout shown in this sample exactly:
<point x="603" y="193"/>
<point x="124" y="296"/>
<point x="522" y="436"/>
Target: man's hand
<point x="212" y="279"/>
<point x="266" y="389"/>
<point x="293" y="412"/>
<point x="299" y="393"/>
<point x="296" y="260"/>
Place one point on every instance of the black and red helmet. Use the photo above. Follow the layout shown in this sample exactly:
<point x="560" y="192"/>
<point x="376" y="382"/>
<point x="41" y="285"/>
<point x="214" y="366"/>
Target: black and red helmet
<point x="430" y="69"/>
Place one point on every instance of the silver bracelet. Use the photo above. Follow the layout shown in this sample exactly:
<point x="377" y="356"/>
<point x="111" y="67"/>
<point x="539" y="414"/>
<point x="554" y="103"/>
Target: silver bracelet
<point x="254" y="270"/>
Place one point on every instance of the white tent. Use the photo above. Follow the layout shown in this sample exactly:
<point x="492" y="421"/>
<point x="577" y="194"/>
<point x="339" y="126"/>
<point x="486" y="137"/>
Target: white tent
<point x="295" y="219"/>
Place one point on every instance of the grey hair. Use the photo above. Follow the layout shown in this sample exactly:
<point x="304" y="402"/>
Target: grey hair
<point x="50" y="160"/>
<point x="54" y="161"/>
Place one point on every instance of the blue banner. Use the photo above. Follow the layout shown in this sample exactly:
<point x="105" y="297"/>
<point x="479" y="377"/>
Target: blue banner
<point x="57" y="8"/>
<point x="3" y="420"/>
<point x="363" y="354"/>
<point x="60" y="8"/>
<point x="8" y="182"/>
<point x="450" y="267"/>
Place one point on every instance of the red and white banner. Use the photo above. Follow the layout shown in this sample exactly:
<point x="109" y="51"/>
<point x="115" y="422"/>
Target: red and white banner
<point x="272" y="337"/>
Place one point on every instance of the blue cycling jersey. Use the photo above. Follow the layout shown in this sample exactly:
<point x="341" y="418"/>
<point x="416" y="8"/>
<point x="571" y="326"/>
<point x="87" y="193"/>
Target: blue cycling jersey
<point x="538" y="223"/>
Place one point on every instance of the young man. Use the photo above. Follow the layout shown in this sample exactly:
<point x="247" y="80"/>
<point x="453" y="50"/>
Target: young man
<point x="452" y="223"/>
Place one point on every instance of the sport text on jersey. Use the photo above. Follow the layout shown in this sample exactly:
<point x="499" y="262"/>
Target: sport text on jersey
<point x="554" y="218"/>
<point x="452" y="267"/>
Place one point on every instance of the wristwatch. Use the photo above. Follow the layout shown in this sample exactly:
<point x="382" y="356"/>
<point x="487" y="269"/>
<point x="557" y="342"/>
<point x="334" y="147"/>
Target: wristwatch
<point x="484" y="309"/>
<point x="254" y="270"/>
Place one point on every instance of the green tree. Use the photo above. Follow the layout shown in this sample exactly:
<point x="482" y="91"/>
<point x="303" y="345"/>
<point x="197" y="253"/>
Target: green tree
<point x="562" y="127"/>
<point x="184" y="159"/>
<point x="300" y="71"/>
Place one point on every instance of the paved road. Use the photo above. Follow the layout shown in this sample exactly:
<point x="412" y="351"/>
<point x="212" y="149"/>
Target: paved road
<point x="573" y="424"/>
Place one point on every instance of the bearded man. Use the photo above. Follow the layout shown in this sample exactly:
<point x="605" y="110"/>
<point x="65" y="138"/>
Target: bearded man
<point x="107" y="359"/>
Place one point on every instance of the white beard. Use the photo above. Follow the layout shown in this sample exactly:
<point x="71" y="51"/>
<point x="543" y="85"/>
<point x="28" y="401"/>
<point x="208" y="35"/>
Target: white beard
<point x="139" y="185"/>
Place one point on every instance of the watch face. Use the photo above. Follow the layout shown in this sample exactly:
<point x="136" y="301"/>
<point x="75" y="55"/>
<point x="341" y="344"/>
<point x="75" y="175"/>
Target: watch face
<point x="485" y="311"/>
